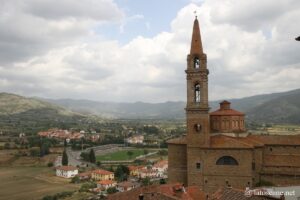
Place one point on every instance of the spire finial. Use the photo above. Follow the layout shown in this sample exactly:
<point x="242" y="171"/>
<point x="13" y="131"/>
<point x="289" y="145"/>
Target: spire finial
<point x="195" y="12"/>
<point x="196" y="45"/>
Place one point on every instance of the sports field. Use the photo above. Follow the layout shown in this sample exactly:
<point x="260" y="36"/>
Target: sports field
<point x="122" y="155"/>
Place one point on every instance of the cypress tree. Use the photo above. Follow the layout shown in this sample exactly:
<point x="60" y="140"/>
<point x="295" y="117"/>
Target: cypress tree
<point x="64" y="160"/>
<point x="92" y="156"/>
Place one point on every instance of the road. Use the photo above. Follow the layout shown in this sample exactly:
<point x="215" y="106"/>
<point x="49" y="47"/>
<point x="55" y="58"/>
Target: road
<point x="73" y="159"/>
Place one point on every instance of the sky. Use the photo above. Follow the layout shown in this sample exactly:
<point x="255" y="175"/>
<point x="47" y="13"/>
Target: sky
<point x="135" y="50"/>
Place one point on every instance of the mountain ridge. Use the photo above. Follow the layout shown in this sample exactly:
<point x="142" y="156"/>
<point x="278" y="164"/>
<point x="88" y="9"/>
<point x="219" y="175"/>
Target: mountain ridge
<point x="175" y="110"/>
<point x="281" y="107"/>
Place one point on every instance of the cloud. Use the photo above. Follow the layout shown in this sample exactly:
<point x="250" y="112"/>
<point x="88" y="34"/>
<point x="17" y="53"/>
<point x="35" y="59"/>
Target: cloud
<point x="129" y="19"/>
<point x="32" y="28"/>
<point x="103" y="10"/>
<point x="58" y="55"/>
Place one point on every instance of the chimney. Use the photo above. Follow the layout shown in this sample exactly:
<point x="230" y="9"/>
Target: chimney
<point x="141" y="197"/>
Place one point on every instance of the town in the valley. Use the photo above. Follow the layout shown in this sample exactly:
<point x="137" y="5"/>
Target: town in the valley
<point x="204" y="150"/>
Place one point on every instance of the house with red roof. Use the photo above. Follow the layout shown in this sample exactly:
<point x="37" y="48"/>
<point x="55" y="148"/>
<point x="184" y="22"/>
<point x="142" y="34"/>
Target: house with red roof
<point x="101" y="174"/>
<point x="105" y="184"/>
<point x="161" y="167"/>
<point x="126" y="186"/>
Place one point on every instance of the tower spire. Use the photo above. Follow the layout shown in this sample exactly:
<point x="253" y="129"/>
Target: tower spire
<point x="196" y="44"/>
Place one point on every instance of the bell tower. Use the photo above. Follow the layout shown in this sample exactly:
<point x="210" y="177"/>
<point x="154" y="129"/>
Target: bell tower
<point x="197" y="110"/>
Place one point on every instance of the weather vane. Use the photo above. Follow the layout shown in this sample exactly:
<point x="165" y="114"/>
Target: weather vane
<point x="195" y="12"/>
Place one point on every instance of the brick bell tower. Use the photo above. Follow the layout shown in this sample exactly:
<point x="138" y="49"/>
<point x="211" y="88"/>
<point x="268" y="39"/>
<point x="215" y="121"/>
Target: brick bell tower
<point x="197" y="110"/>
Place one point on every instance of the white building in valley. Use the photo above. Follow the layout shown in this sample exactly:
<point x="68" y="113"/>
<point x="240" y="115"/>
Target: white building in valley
<point x="66" y="171"/>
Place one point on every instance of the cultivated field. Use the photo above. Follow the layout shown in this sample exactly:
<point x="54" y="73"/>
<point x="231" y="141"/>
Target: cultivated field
<point x="30" y="183"/>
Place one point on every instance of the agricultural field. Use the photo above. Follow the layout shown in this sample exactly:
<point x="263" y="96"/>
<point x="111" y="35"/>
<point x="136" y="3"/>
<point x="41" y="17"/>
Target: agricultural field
<point x="31" y="183"/>
<point x="123" y="155"/>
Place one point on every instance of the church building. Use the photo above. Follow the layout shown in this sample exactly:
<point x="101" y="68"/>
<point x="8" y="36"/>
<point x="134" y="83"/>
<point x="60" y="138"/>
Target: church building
<point x="216" y="151"/>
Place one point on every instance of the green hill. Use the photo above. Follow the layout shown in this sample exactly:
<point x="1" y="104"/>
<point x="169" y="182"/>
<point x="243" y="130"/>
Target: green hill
<point x="29" y="115"/>
<point x="280" y="107"/>
<point x="284" y="109"/>
<point x="14" y="104"/>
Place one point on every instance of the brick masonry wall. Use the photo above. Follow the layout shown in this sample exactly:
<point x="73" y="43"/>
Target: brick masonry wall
<point x="211" y="176"/>
<point x="177" y="169"/>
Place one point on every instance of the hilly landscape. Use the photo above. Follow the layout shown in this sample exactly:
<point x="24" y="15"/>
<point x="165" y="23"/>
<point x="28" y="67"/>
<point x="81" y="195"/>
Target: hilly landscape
<point x="281" y="107"/>
<point x="21" y="114"/>
<point x="18" y="113"/>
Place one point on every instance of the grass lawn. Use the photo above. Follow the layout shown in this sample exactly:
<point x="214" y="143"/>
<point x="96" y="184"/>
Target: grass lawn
<point x="122" y="155"/>
<point x="31" y="183"/>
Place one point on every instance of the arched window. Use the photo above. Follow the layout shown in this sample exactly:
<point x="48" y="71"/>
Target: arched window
<point x="226" y="160"/>
<point x="198" y="127"/>
<point x="196" y="63"/>
<point x="197" y="93"/>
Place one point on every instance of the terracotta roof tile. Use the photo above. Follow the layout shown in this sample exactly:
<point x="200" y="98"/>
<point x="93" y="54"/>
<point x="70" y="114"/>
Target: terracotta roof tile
<point x="276" y="139"/>
<point x="180" y="140"/>
<point x="235" y="194"/>
<point x="106" y="182"/>
<point x="135" y="167"/>
<point x="170" y="191"/>
<point x="251" y="141"/>
<point x="84" y="174"/>
<point x="223" y="141"/>
<point x="126" y="184"/>
<point x="161" y="164"/>
<point x="226" y="112"/>
<point x="102" y="172"/>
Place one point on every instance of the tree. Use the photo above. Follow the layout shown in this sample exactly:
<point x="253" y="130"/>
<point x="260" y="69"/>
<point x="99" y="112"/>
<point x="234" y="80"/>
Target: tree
<point x="6" y="145"/>
<point x="122" y="172"/>
<point x="65" y="143"/>
<point x="129" y="153"/>
<point x="146" y="181"/>
<point x="111" y="190"/>
<point x="75" y="179"/>
<point x="64" y="160"/>
<point x="162" y="181"/>
<point x="35" y="152"/>
<point x="92" y="156"/>
<point x="163" y="152"/>
<point x="50" y="164"/>
<point x="85" y="156"/>
<point x="146" y="151"/>
<point x="44" y="150"/>
<point x="98" y="163"/>
<point x="86" y="186"/>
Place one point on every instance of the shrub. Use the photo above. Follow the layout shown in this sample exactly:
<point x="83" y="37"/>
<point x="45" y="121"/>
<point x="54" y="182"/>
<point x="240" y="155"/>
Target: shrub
<point x="112" y="190"/>
<point x="75" y="179"/>
<point x="86" y="186"/>
<point x="50" y="164"/>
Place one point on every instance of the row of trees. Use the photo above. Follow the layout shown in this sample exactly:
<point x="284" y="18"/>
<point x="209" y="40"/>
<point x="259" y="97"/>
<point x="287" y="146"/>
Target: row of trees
<point x="89" y="156"/>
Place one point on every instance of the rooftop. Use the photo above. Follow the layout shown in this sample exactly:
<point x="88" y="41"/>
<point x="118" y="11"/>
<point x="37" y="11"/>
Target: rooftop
<point x="226" y="110"/>
<point x="235" y="194"/>
<point x="102" y="172"/>
<point x="126" y="184"/>
<point x="170" y="191"/>
<point x="106" y="182"/>
<point x="250" y="141"/>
